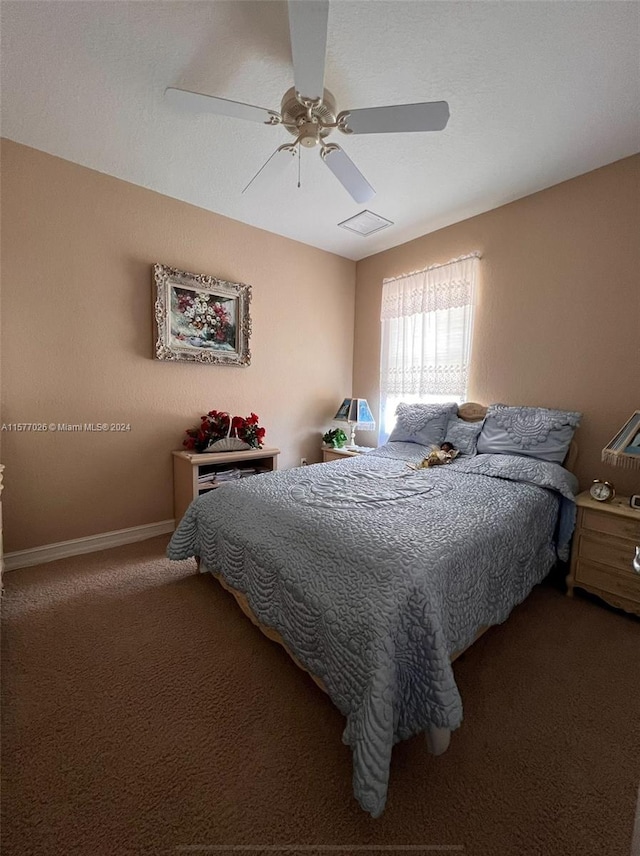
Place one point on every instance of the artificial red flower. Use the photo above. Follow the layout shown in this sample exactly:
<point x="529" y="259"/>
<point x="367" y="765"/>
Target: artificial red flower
<point x="215" y="426"/>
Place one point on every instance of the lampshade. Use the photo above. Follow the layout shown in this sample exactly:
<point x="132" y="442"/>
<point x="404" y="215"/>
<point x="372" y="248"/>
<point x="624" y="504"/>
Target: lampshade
<point x="623" y="450"/>
<point x="357" y="413"/>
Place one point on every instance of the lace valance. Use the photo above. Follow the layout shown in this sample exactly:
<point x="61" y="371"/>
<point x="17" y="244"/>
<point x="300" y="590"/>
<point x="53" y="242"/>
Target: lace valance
<point x="439" y="287"/>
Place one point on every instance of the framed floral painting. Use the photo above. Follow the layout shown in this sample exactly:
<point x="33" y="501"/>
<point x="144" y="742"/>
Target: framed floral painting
<point x="201" y="318"/>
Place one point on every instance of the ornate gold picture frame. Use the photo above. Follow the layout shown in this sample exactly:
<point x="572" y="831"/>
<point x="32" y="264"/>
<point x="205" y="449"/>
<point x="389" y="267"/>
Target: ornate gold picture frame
<point x="200" y="318"/>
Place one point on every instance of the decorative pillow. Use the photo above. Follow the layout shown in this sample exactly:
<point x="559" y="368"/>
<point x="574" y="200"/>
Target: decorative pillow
<point x="462" y="435"/>
<point x="421" y="423"/>
<point x="535" y="432"/>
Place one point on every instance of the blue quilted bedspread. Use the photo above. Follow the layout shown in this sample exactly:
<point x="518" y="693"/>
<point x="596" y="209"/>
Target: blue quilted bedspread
<point x="374" y="573"/>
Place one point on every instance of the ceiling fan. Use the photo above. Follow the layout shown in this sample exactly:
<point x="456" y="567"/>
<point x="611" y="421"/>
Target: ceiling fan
<point x="308" y="110"/>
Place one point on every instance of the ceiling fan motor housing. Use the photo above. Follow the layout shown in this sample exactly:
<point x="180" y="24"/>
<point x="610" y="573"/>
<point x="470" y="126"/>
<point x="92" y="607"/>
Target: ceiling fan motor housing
<point x="296" y="120"/>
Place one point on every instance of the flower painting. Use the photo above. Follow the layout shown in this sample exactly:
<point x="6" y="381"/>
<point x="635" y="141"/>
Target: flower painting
<point x="201" y="318"/>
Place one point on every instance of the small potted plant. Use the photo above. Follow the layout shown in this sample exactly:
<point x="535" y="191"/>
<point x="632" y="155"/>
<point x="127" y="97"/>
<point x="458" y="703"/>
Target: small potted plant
<point x="335" y="438"/>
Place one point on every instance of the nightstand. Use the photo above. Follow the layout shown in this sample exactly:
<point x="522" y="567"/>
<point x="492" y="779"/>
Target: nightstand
<point x="604" y="545"/>
<point x="337" y="454"/>
<point x="197" y="473"/>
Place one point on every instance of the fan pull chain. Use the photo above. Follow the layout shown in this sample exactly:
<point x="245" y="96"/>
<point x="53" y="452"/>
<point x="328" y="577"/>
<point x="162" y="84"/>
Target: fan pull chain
<point x="298" y="166"/>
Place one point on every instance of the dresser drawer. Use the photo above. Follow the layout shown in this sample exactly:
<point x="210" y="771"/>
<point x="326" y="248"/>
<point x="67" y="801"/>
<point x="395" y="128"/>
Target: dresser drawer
<point x="614" y="552"/>
<point x="610" y="524"/>
<point x="625" y="585"/>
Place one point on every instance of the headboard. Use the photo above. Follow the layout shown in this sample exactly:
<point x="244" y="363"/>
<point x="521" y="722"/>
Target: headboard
<point x="471" y="411"/>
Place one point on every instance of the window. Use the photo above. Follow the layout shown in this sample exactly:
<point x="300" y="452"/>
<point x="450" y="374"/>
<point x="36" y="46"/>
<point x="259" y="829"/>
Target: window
<point x="427" y="320"/>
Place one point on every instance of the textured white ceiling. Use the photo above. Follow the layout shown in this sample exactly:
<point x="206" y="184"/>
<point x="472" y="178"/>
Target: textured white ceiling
<point x="539" y="92"/>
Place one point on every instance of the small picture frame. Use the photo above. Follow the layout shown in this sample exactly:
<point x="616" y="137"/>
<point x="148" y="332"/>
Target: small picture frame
<point x="624" y="448"/>
<point x="199" y="318"/>
<point x="634" y="446"/>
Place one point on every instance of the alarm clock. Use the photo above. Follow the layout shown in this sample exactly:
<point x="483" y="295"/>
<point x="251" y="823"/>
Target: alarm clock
<point x="634" y="501"/>
<point x="602" y="491"/>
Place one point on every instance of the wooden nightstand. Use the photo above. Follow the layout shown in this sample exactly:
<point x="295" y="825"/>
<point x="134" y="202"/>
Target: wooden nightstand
<point x="195" y="473"/>
<point x="337" y="454"/>
<point x="603" y="550"/>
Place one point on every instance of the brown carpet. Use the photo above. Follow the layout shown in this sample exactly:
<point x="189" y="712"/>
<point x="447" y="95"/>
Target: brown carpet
<point x="143" y="713"/>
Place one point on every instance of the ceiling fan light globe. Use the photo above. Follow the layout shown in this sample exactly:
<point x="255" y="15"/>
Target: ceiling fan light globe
<point x="309" y="135"/>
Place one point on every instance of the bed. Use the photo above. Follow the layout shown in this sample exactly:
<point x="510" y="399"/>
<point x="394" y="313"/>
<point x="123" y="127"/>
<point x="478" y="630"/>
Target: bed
<point x="374" y="575"/>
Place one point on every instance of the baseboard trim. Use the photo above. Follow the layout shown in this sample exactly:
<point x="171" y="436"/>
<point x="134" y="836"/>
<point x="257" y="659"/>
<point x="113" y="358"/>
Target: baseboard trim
<point x="90" y="544"/>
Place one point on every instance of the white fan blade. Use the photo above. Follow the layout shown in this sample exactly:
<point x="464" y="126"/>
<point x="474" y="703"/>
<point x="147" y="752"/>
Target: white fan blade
<point x="308" y="27"/>
<point x="347" y="173"/>
<point x="198" y="103"/>
<point x="274" y="167"/>
<point x="429" y="116"/>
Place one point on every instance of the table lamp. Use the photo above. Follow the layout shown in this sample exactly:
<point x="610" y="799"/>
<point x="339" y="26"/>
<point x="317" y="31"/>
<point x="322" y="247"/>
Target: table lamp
<point x="357" y="413"/>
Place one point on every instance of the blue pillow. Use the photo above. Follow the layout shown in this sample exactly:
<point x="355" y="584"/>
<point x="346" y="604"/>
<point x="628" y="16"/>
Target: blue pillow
<point x="534" y="432"/>
<point x="425" y="424"/>
<point x="463" y="435"/>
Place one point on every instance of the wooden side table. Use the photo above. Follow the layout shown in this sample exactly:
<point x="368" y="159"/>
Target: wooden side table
<point x="602" y="555"/>
<point x="337" y="454"/>
<point x="196" y="473"/>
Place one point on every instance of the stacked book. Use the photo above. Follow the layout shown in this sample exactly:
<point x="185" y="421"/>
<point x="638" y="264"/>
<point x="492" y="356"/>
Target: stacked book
<point x="223" y="476"/>
<point x="226" y="475"/>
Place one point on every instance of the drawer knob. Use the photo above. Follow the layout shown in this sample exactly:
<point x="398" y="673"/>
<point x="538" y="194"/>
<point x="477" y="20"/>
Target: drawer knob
<point x="636" y="561"/>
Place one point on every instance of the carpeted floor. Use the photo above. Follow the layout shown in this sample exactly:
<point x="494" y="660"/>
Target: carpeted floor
<point x="143" y="713"/>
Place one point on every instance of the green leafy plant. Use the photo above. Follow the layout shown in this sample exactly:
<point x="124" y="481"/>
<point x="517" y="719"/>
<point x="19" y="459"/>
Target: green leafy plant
<point x="336" y="438"/>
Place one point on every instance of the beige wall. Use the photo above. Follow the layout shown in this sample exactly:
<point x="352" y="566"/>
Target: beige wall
<point x="558" y="315"/>
<point x="557" y="324"/>
<point x="77" y="250"/>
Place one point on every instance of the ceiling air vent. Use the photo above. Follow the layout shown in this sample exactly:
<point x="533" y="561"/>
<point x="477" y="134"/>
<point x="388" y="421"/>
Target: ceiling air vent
<point x="365" y="223"/>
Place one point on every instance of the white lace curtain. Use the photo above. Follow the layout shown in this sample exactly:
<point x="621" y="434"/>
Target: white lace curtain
<point x="427" y="320"/>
